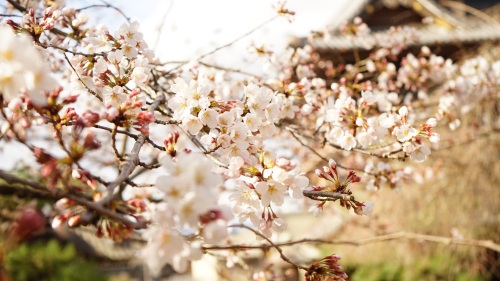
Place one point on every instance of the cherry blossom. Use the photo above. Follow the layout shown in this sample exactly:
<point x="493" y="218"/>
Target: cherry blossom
<point x="194" y="145"/>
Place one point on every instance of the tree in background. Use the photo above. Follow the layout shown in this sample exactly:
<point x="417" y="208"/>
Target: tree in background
<point x="181" y="153"/>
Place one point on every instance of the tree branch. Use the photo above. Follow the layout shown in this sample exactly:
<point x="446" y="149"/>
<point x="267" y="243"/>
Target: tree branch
<point x="23" y="192"/>
<point x="327" y="196"/>
<point x="487" y="244"/>
<point x="132" y="160"/>
<point x="71" y="194"/>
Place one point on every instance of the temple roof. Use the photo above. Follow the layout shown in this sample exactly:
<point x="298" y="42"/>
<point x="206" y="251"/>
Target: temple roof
<point x="443" y="24"/>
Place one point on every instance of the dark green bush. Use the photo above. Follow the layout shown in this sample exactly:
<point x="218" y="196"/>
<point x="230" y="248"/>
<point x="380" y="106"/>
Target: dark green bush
<point x="50" y="261"/>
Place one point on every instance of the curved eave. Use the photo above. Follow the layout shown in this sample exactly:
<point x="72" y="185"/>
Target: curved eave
<point x="427" y="35"/>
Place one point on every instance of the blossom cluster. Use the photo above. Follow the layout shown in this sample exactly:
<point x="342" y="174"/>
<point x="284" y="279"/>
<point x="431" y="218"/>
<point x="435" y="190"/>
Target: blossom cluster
<point x="115" y="69"/>
<point x="190" y="207"/>
<point x="22" y="68"/>
<point x="261" y="187"/>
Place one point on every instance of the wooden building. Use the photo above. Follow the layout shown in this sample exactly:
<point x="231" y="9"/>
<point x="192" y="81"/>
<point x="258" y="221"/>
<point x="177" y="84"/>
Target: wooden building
<point x="453" y="29"/>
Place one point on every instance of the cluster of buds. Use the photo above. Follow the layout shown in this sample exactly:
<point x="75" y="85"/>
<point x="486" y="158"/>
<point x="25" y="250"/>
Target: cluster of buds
<point x="326" y="268"/>
<point x="337" y="190"/>
<point x="67" y="212"/>
<point x="261" y="187"/>
<point x="19" y="121"/>
<point x="49" y="166"/>
<point x="330" y="174"/>
<point x="75" y="21"/>
<point x="71" y="213"/>
<point x="114" y="230"/>
<point x="143" y="119"/>
<point x="35" y="27"/>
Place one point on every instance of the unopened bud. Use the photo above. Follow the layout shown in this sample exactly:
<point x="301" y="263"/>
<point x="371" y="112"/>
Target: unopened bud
<point x="74" y="221"/>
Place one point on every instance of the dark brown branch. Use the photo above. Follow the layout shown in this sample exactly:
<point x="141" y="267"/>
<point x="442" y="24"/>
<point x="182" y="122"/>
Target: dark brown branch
<point x="57" y="194"/>
<point x="133" y="136"/>
<point x="10" y="16"/>
<point x="70" y="51"/>
<point x="23" y="192"/>
<point x="17" y="6"/>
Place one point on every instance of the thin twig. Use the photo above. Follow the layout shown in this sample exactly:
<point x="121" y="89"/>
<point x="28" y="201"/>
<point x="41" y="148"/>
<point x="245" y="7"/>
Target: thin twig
<point x="10" y="16"/>
<point x="105" y="5"/>
<point x="118" y="156"/>
<point x="131" y="135"/>
<point x="70" y="51"/>
<point x="227" y="44"/>
<point x="387" y="155"/>
<point x="162" y="23"/>
<point x="280" y="251"/>
<point x="81" y="81"/>
<point x="227" y="69"/>
<point x="488" y="244"/>
<point x="292" y="132"/>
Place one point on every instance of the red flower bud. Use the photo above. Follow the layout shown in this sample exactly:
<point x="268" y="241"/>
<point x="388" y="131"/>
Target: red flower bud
<point x="28" y="223"/>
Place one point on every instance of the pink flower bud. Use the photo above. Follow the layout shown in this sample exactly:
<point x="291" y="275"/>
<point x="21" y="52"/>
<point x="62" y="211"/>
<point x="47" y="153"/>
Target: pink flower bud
<point x="76" y="174"/>
<point x="57" y="221"/>
<point x="91" y="118"/>
<point x="74" y="221"/>
<point x="41" y="156"/>
<point x="432" y="122"/>
<point x="90" y="141"/>
<point x="332" y="164"/>
<point x="15" y="104"/>
<point x="25" y="123"/>
<point x="48" y="168"/>
<point x="138" y="205"/>
<point x="71" y="99"/>
<point x="319" y="173"/>
<point x="63" y="204"/>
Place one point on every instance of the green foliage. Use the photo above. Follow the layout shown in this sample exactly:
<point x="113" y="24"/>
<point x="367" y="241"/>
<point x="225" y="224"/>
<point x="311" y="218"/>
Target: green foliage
<point x="434" y="268"/>
<point x="50" y="262"/>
